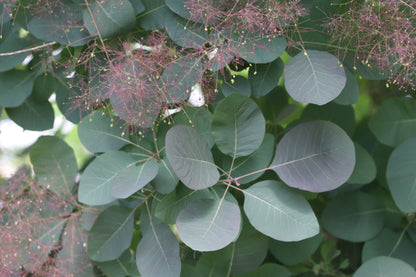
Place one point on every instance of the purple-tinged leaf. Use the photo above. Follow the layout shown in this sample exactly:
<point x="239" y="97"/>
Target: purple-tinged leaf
<point x="315" y="156"/>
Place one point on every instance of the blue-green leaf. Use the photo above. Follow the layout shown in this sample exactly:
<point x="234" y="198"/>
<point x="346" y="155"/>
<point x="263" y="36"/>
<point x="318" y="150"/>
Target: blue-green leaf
<point x="316" y="156"/>
<point x="238" y="126"/>
<point x="184" y="33"/>
<point x="54" y="164"/>
<point x="16" y="86"/>
<point x="343" y="116"/>
<point x="111" y="233"/>
<point x="155" y="14"/>
<point x="101" y="132"/>
<point x="268" y="270"/>
<point x="258" y="160"/>
<point x="171" y="205"/>
<point x="111" y="17"/>
<point x="394" y="121"/>
<point x="390" y="243"/>
<point x="158" y="251"/>
<point x="165" y="180"/>
<point x="365" y="169"/>
<point x="314" y="77"/>
<point x="354" y="216"/>
<point x="239" y="85"/>
<point x="264" y="77"/>
<point x="385" y="266"/>
<point x="65" y="95"/>
<point x="125" y="265"/>
<point x="96" y="181"/>
<point x="208" y="224"/>
<point x="131" y="179"/>
<point x="294" y="252"/>
<point x="401" y="175"/>
<point x="11" y="42"/>
<point x="33" y="115"/>
<point x="250" y="249"/>
<point x="200" y="118"/>
<point x="190" y="157"/>
<point x="260" y="49"/>
<point x="279" y="212"/>
<point x="349" y="95"/>
<point x="62" y="23"/>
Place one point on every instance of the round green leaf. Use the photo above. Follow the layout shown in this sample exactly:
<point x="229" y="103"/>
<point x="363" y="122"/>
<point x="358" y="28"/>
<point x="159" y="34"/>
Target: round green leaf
<point x="217" y="263"/>
<point x="96" y="181"/>
<point x="63" y="24"/>
<point x="158" y="251"/>
<point x="274" y="105"/>
<point x="131" y="179"/>
<point x="349" y="95"/>
<point x="250" y="249"/>
<point x="401" y="175"/>
<point x="33" y="115"/>
<point x="111" y="233"/>
<point x="238" y="126"/>
<point x="394" y="121"/>
<point x="111" y="17"/>
<point x="279" y="212"/>
<point x="315" y="156"/>
<point x="268" y="270"/>
<point x="44" y="86"/>
<point x="354" y="216"/>
<point x="155" y="14"/>
<point x="190" y="157"/>
<point x="385" y="266"/>
<point x="208" y="224"/>
<point x="16" y="86"/>
<point x="240" y="85"/>
<point x="184" y="34"/>
<point x="54" y="164"/>
<point x="264" y="77"/>
<point x="36" y="113"/>
<point x="390" y="243"/>
<point x="343" y="116"/>
<point x="314" y="77"/>
<point x="260" y="49"/>
<point x="179" y="7"/>
<point x="100" y="133"/>
<point x="365" y="170"/>
<point x="291" y="253"/>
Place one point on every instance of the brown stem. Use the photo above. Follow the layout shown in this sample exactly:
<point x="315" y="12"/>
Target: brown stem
<point x="27" y="50"/>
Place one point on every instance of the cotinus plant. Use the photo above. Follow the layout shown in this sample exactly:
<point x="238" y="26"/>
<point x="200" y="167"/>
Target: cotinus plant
<point x="225" y="138"/>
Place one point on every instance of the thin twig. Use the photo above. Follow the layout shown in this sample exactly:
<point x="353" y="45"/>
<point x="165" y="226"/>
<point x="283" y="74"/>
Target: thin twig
<point x="27" y="50"/>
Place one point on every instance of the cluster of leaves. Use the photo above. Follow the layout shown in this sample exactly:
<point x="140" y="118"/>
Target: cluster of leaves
<point x="216" y="149"/>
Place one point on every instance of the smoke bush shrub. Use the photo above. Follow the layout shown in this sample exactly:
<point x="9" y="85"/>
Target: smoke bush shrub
<point x="226" y="138"/>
